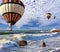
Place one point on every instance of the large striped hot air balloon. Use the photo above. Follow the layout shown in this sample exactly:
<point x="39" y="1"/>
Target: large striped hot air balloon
<point x="12" y="10"/>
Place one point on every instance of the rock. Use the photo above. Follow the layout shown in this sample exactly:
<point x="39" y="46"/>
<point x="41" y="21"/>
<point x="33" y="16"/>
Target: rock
<point x="23" y="43"/>
<point x="43" y="44"/>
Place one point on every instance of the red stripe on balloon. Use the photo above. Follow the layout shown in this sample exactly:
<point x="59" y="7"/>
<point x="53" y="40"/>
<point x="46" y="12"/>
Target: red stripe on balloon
<point x="5" y="17"/>
<point x="15" y="17"/>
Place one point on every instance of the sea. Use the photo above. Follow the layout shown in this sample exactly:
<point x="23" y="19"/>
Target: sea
<point x="9" y="42"/>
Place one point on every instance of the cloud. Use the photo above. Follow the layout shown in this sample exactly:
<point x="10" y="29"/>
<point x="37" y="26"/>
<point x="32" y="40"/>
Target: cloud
<point x="39" y="8"/>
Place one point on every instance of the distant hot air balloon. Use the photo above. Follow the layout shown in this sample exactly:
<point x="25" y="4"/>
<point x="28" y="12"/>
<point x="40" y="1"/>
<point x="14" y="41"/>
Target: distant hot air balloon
<point x="48" y="15"/>
<point x="12" y="11"/>
<point x="54" y="17"/>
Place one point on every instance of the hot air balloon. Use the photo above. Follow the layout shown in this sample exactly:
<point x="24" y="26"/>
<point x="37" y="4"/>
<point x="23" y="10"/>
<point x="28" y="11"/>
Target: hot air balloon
<point x="48" y="15"/>
<point x="12" y="11"/>
<point x="54" y="17"/>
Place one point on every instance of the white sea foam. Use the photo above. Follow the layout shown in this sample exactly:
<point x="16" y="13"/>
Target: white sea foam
<point x="52" y="45"/>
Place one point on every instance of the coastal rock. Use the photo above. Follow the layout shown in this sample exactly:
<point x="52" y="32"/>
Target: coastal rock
<point x="23" y="43"/>
<point x="43" y="44"/>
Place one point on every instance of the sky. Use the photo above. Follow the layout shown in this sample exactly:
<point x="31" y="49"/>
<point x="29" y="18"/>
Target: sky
<point x="34" y="16"/>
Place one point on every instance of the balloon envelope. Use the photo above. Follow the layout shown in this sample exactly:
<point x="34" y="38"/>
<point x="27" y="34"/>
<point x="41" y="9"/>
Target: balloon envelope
<point x="12" y="10"/>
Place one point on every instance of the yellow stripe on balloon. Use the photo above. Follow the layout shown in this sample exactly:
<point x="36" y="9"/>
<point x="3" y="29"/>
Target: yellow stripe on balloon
<point x="10" y="0"/>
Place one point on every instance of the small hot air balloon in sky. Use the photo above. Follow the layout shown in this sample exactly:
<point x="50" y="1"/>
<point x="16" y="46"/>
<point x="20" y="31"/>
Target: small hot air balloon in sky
<point x="12" y="11"/>
<point x="54" y="17"/>
<point x="48" y="15"/>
